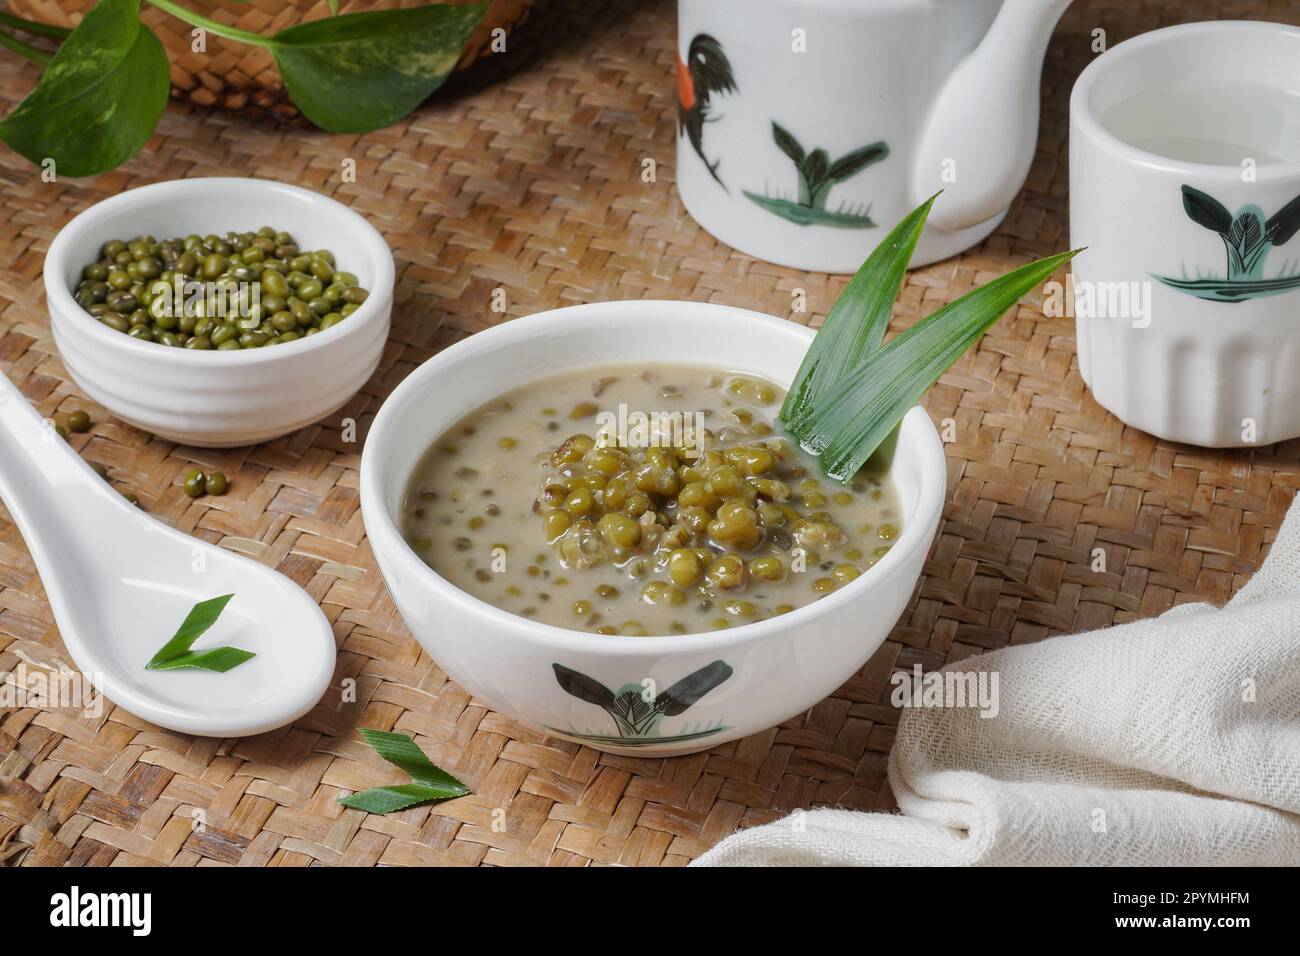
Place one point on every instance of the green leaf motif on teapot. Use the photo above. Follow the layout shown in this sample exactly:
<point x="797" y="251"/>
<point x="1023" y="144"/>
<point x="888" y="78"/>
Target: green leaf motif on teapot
<point x="817" y="173"/>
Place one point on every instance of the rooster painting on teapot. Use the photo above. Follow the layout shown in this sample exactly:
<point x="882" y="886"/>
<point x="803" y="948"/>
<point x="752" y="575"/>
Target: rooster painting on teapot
<point x="804" y="123"/>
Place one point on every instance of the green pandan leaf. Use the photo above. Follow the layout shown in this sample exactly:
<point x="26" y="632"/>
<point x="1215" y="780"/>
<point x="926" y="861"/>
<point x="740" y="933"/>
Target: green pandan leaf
<point x="359" y="72"/>
<point x="856" y="323"/>
<point x="428" y="782"/>
<point x="176" y="653"/>
<point x="864" y="407"/>
<point x="399" y="797"/>
<point x="99" y="99"/>
<point x="201" y="617"/>
<point x="401" y="751"/>
<point x="219" y="659"/>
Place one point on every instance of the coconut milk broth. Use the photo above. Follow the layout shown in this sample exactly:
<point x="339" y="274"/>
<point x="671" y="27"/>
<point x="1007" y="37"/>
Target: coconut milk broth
<point x="471" y="510"/>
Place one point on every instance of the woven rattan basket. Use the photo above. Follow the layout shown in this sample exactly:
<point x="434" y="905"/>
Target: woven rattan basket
<point x="237" y="76"/>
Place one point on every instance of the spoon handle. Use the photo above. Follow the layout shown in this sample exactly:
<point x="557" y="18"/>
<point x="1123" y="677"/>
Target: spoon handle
<point x="22" y="428"/>
<point x="36" y="466"/>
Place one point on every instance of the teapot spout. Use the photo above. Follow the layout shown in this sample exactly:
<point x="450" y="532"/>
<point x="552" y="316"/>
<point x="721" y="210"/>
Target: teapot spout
<point x="978" y="141"/>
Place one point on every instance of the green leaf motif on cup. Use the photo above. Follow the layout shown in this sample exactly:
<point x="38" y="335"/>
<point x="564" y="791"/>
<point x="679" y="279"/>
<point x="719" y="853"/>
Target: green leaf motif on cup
<point x="1247" y="238"/>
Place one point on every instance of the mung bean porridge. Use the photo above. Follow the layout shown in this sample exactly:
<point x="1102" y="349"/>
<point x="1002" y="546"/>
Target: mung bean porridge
<point x="632" y="500"/>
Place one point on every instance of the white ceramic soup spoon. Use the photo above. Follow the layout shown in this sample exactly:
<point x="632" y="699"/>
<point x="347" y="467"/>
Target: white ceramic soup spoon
<point x="121" y="582"/>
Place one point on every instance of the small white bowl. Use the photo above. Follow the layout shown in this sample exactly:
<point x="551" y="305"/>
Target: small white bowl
<point x="769" y="671"/>
<point x="214" y="398"/>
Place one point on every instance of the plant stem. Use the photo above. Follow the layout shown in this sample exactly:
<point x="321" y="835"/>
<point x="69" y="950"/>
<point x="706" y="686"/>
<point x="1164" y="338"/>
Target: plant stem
<point x="31" y="26"/>
<point x="212" y="26"/>
<point x="39" y="57"/>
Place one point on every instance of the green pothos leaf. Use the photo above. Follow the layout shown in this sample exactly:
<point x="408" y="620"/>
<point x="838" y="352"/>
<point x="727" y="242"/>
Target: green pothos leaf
<point x="428" y="782"/>
<point x="358" y="72"/>
<point x="100" y="97"/>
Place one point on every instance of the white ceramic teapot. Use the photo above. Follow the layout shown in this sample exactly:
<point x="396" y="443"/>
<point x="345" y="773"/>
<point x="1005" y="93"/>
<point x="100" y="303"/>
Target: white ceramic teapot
<point x="807" y="128"/>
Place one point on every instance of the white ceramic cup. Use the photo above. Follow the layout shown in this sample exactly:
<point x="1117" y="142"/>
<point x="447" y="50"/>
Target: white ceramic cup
<point x="808" y="128"/>
<point x="1185" y="188"/>
<point x="759" y="674"/>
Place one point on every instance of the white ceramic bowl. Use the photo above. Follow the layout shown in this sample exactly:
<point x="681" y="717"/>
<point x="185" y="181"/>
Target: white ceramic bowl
<point x="770" y="670"/>
<point x="214" y="398"/>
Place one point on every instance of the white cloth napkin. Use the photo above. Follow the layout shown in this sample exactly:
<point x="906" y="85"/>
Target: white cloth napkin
<point x="1171" y="741"/>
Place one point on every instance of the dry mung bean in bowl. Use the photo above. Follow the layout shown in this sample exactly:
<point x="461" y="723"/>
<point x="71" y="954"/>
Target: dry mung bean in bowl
<point x="219" y="311"/>
<point x="639" y="595"/>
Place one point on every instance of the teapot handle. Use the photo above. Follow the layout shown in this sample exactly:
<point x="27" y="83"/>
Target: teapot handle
<point x="978" y="141"/>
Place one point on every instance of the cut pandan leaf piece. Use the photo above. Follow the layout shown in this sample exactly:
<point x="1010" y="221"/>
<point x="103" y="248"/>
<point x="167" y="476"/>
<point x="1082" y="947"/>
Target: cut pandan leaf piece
<point x="856" y="324"/>
<point x="176" y="653"/>
<point x="429" y="783"/>
<point x="852" y="420"/>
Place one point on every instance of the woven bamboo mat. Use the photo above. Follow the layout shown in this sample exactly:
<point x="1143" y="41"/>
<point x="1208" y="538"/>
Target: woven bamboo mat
<point x="527" y="177"/>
